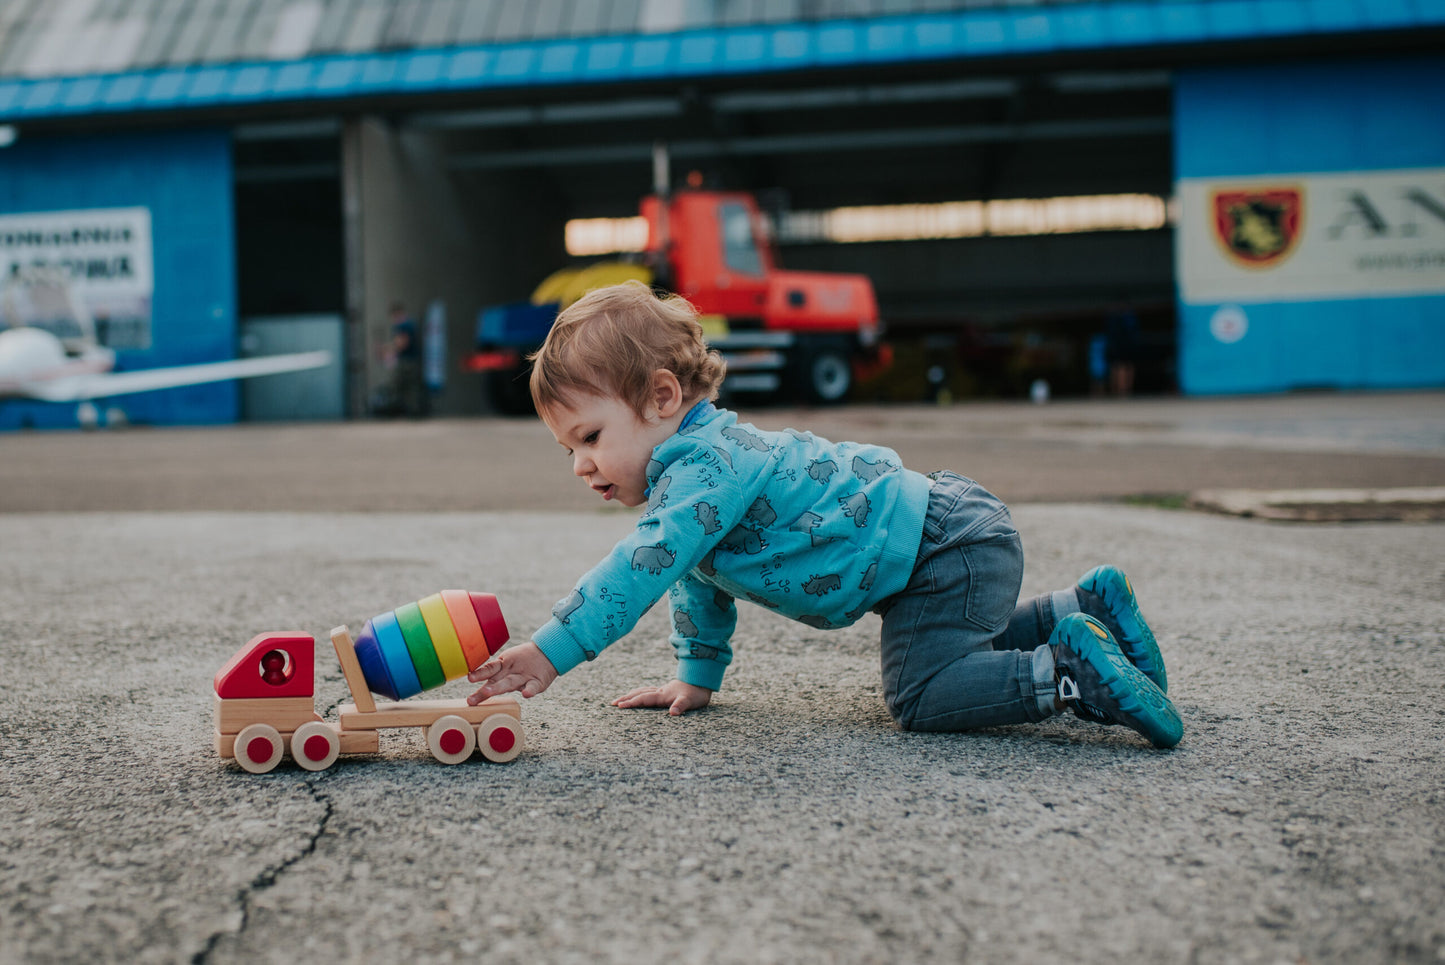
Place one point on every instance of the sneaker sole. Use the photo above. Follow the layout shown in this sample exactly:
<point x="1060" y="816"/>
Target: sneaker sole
<point x="1150" y="712"/>
<point x="1137" y="641"/>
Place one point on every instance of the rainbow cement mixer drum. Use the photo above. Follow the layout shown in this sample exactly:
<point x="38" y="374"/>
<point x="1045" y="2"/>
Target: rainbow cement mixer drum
<point x="265" y="693"/>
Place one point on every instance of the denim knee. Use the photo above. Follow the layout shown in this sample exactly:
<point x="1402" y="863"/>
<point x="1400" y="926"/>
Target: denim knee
<point x="902" y="711"/>
<point x="987" y="690"/>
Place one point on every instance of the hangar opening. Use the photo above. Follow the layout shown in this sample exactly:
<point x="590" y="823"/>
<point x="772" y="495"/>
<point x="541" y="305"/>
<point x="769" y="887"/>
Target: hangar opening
<point x="984" y="307"/>
<point x="289" y="249"/>
<point x="290" y="263"/>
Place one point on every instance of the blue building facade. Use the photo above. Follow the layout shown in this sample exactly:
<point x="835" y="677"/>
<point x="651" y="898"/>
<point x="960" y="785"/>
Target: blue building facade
<point x="1279" y="130"/>
<point x="1354" y="294"/>
<point x="183" y="179"/>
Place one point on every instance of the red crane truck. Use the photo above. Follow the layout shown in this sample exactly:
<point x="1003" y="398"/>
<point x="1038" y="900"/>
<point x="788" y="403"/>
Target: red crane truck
<point x="801" y="334"/>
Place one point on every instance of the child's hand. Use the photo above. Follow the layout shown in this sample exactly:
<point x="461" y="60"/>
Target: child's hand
<point x="675" y="695"/>
<point x="524" y="669"/>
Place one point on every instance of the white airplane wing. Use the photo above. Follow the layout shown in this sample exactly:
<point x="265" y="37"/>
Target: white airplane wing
<point x="104" y="385"/>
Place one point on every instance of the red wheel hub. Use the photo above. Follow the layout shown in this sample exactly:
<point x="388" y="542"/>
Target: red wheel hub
<point x="316" y="748"/>
<point x="452" y="741"/>
<point x="259" y="750"/>
<point x="502" y="739"/>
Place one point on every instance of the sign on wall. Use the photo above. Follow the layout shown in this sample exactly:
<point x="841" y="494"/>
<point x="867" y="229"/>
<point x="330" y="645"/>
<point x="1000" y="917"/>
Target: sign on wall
<point x="99" y="259"/>
<point x="1306" y="237"/>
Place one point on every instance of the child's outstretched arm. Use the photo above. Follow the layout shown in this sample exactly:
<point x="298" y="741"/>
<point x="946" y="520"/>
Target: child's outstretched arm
<point x="523" y="669"/>
<point x="676" y="696"/>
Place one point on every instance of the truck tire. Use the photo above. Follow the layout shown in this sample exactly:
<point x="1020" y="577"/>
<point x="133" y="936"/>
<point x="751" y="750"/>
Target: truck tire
<point x="825" y="375"/>
<point x="315" y="745"/>
<point x="500" y="738"/>
<point x="258" y="748"/>
<point x="451" y="739"/>
<point x="509" y="392"/>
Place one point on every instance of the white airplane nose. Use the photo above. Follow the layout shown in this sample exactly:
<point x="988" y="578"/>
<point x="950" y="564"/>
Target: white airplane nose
<point x="25" y="351"/>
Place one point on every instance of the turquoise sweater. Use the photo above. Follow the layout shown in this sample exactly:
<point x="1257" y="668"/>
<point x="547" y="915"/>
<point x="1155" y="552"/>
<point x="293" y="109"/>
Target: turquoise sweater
<point x="820" y="532"/>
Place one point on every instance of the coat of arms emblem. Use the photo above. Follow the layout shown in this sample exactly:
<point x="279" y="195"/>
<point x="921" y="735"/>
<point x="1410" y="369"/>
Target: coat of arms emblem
<point x="1258" y="228"/>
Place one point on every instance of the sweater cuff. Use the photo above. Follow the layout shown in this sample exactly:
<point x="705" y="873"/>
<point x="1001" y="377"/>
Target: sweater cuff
<point x="559" y="646"/>
<point x="701" y="673"/>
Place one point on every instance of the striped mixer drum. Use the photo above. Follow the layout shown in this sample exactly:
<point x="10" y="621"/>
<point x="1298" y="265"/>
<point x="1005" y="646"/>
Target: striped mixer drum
<point x="425" y="644"/>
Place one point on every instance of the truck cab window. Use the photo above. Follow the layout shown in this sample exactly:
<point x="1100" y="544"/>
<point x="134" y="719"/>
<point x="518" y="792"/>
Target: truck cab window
<point x="740" y="249"/>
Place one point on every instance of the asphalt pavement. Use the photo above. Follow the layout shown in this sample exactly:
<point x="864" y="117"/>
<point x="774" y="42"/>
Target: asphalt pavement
<point x="1300" y="820"/>
<point x="1073" y="450"/>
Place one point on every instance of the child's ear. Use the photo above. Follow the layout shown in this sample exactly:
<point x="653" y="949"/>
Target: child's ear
<point x="666" y="393"/>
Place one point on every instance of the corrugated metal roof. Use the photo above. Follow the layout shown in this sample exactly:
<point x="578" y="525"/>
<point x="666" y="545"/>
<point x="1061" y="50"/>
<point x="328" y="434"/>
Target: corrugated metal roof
<point x="51" y="38"/>
<point x="78" y="57"/>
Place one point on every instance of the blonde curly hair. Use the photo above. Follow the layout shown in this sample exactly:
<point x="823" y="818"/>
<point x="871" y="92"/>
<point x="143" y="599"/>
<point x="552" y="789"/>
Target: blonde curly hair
<point x="612" y="340"/>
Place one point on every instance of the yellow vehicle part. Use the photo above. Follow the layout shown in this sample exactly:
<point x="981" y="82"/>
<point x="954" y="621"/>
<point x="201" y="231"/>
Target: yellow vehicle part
<point x="569" y="284"/>
<point x="714" y="326"/>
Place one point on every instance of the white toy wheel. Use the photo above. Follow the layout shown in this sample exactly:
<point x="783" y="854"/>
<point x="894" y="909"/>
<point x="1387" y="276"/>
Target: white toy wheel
<point x="258" y="748"/>
<point x="315" y="746"/>
<point x="451" y="739"/>
<point x="500" y="738"/>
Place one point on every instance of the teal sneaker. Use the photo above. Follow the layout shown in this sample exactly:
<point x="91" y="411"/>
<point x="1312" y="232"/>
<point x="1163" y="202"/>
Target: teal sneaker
<point x="1098" y="683"/>
<point x="1122" y="619"/>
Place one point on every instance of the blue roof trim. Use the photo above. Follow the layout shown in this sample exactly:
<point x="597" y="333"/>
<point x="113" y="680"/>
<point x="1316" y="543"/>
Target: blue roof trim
<point x="735" y="50"/>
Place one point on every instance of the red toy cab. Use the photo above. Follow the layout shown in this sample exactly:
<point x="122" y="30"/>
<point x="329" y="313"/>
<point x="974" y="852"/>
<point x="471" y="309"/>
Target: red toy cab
<point x="271" y="665"/>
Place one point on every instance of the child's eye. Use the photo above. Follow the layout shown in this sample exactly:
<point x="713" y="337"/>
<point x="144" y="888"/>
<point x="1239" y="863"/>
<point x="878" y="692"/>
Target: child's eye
<point x="591" y="438"/>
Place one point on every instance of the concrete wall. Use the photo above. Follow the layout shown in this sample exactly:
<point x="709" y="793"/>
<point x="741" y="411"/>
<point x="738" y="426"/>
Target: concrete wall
<point x="417" y="233"/>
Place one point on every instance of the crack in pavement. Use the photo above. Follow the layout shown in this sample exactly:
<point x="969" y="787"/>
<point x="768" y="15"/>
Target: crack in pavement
<point x="269" y="876"/>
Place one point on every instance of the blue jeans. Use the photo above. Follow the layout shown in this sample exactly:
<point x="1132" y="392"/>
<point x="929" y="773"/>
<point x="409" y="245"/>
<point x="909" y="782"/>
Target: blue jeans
<point x="959" y="650"/>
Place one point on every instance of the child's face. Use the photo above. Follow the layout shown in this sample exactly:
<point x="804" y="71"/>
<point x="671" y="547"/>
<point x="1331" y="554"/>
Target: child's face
<point x="609" y="445"/>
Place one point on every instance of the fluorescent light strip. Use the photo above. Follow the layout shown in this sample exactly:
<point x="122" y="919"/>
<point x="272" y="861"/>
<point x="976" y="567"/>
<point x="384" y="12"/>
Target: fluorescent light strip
<point x="914" y="222"/>
<point x="605" y="236"/>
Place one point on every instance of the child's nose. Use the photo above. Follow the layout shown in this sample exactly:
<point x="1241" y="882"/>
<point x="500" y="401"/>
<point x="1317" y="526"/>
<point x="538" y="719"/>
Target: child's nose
<point x="581" y="465"/>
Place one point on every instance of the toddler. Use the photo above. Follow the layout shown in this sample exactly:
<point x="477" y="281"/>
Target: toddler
<point x="818" y="531"/>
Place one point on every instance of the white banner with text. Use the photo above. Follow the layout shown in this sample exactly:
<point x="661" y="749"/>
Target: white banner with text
<point x="1306" y="237"/>
<point x="90" y="268"/>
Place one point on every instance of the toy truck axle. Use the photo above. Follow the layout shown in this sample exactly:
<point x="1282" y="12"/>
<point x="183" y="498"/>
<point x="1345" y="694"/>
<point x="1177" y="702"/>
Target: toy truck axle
<point x="264" y="710"/>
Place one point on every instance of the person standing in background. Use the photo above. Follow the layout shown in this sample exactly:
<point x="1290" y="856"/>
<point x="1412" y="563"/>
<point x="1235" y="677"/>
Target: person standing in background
<point x="406" y="393"/>
<point x="1121" y="347"/>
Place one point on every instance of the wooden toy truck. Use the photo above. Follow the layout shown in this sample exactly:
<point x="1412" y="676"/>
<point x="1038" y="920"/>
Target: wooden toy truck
<point x="264" y="709"/>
